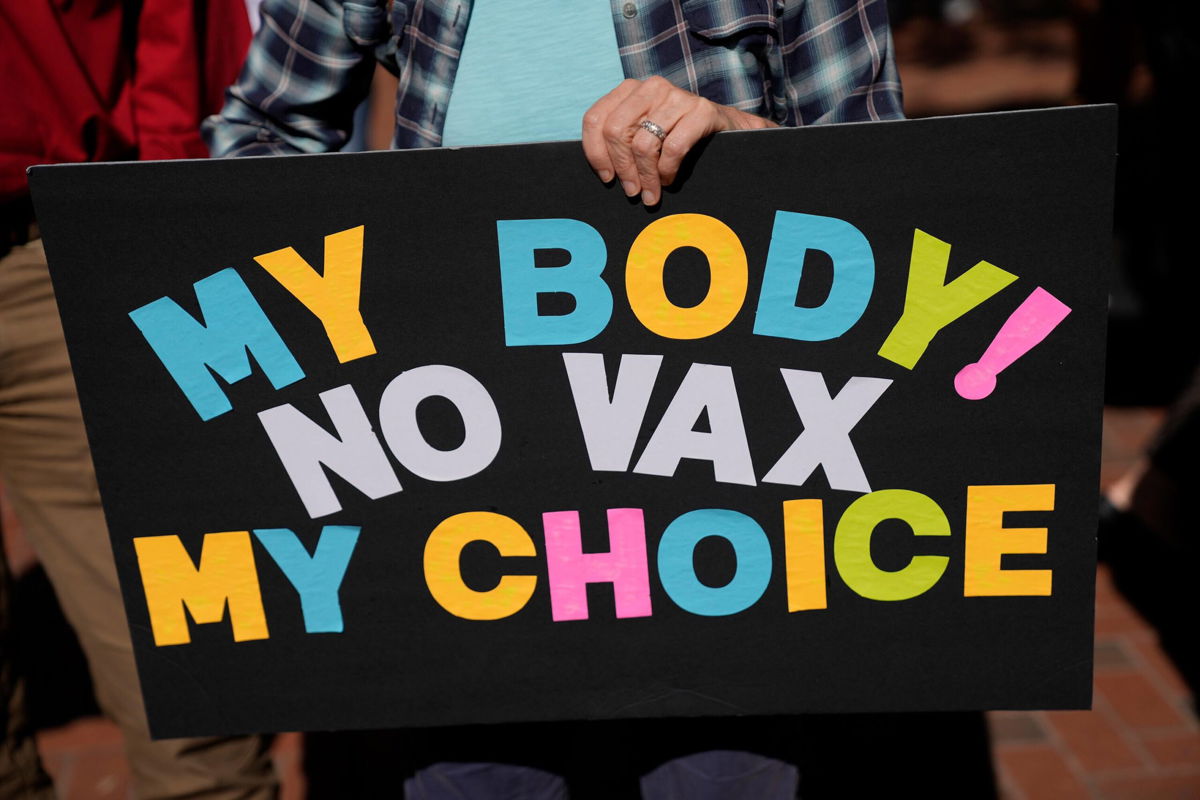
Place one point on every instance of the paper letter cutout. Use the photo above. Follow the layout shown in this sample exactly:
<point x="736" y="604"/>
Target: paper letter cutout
<point x="676" y="564"/>
<point x="1029" y="324"/>
<point x="355" y="453"/>
<point x="610" y="427"/>
<point x="988" y="540"/>
<point x="521" y="282"/>
<point x="729" y="276"/>
<point x="571" y="570"/>
<point x="332" y="296"/>
<point x="226" y="575"/>
<point x="853" y="278"/>
<point x="711" y="387"/>
<point x="852" y="544"/>
<point x="804" y="541"/>
<point x="825" y="440"/>
<point x="930" y="303"/>
<point x="443" y="553"/>
<point x="398" y="420"/>
<point x="316" y="578"/>
<point x="233" y="324"/>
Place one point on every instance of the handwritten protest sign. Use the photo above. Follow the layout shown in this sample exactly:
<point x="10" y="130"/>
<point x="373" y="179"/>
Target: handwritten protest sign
<point x="465" y="436"/>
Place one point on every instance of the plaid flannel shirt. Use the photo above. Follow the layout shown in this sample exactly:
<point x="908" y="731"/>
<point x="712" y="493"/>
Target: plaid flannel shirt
<point x="797" y="62"/>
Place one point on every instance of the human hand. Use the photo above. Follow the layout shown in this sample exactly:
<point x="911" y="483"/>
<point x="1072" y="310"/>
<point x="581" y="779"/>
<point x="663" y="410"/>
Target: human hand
<point x="616" y="144"/>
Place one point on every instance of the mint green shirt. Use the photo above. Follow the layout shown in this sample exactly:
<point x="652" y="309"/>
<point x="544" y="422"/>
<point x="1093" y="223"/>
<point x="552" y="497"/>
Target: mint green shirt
<point x="510" y="88"/>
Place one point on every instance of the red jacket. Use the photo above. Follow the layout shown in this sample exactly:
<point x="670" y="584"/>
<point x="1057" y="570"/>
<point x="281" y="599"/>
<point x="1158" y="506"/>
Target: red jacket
<point x="95" y="80"/>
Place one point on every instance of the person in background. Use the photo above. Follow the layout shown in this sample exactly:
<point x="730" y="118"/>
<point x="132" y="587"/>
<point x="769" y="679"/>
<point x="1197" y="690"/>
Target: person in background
<point x="93" y="80"/>
<point x="1143" y="56"/>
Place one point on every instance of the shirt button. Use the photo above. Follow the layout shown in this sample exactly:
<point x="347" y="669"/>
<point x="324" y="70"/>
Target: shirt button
<point x="629" y="10"/>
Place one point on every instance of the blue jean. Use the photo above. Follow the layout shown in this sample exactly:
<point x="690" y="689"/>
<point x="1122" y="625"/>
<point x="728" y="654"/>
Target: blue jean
<point x="713" y="775"/>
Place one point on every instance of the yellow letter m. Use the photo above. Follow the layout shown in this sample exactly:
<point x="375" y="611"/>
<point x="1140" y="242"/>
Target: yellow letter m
<point x="226" y="576"/>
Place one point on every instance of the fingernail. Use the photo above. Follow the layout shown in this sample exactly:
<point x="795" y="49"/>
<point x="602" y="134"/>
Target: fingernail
<point x="630" y="188"/>
<point x="647" y="198"/>
<point x="605" y="176"/>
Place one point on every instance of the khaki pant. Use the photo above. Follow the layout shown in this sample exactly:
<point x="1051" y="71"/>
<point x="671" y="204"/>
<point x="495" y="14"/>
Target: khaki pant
<point x="46" y="467"/>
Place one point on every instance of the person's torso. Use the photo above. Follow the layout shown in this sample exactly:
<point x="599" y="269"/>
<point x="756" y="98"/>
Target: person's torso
<point x="723" y="50"/>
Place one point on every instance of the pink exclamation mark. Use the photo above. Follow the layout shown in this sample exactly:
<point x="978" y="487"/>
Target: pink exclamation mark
<point x="1029" y="324"/>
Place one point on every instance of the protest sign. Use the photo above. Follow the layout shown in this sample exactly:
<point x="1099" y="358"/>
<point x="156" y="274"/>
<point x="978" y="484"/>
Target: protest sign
<point x="454" y="436"/>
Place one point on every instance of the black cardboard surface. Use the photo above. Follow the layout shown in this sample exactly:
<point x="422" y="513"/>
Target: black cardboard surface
<point x="1029" y="192"/>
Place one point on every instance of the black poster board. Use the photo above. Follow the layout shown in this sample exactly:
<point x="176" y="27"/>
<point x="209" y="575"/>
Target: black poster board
<point x="733" y="428"/>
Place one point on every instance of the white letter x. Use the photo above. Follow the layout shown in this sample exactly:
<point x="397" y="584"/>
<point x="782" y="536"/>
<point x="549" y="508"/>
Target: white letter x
<point x="825" y="440"/>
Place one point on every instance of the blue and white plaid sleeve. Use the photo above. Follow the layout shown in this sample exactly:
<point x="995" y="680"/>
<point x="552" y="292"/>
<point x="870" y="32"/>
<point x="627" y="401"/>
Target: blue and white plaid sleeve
<point x="798" y="62"/>
<point x="839" y="62"/>
<point x="302" y="80"/>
